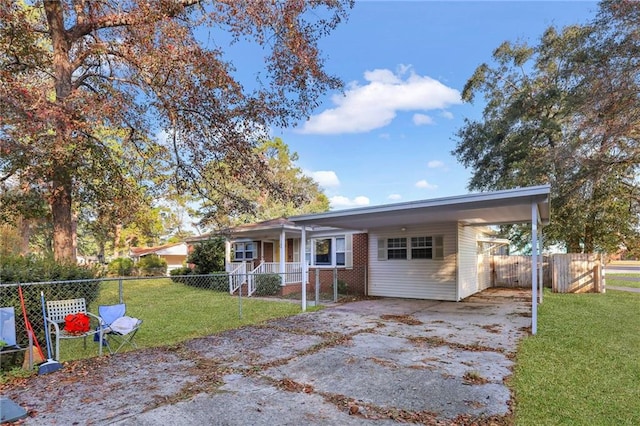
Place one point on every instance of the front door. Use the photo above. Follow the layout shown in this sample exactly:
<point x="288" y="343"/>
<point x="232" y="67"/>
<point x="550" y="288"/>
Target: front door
<point x="268" y="252"/>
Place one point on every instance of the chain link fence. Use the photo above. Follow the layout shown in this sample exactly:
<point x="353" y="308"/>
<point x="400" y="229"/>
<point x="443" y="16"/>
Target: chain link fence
<point x="158" y="296"/>
<point x="102" y="291"/>
<point x="334" y="284"/>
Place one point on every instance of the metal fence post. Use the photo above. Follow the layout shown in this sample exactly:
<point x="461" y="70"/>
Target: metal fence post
<point x="246" y="278"/>
<point x="121" y="290"/>
<point x="335" y="285"/>
<point x="317" y="286"/>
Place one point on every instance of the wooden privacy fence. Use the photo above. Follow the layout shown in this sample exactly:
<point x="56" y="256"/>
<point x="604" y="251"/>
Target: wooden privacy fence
<point x="515" y="271"/>
<point x="577" y="273"/>
<point x="564" y="273"/>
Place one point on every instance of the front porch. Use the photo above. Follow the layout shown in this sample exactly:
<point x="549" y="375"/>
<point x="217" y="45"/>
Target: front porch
<point x="267" y="279"/>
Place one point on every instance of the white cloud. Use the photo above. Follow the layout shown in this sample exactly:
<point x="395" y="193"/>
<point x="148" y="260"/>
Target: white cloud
<point x="447" y="114"/>
<point x="374" y="105"/>
<point x="422" y="119"/>
<point x="339" y="201"/>
<point x="435" y="164"/>
<point x="395" y="197"/>
<point x="326" y="178"/>
<point x="423" y="184"/>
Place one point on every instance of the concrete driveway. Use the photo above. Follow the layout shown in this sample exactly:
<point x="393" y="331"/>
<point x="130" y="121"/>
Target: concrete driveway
<point x="379" y="361"/>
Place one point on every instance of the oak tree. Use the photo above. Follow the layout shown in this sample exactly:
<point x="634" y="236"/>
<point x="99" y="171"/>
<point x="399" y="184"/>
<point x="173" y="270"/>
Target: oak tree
<point x="142" y="72"/>
<point x="566" y="112"/>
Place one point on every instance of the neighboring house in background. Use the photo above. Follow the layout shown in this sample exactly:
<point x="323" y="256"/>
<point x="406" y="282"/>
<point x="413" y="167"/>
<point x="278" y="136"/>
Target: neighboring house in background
<point x="174" y="254"/>
<point x="428" y="249"/>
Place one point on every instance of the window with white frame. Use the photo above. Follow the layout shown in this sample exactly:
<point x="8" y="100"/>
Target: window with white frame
<point x="396" y="248"/>
<point x="341" y="251"/>
<point x="327" y="251"/>
<point x="322" y="251"/>
<point x="244" y="251"/>
<point x="419" y="247"/>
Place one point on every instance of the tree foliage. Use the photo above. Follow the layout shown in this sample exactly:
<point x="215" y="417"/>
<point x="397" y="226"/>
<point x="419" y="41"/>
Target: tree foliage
<point x="102" y="101"/>
<point x="304" y="194"/>
<point x="208" y="256"/>
<point x="565" y="112"/>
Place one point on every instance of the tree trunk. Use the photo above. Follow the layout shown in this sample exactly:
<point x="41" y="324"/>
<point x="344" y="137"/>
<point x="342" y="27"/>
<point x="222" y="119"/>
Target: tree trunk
<point x="60" y="202"/>
<point x="25" y="235"/>
<point x="117" y="232"/>
<point x="62" y="161"/>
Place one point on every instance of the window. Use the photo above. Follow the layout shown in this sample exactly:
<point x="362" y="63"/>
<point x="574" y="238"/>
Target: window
<point x="243" y="251"/>
<point x="329" y="251"/>
<point x="421" y="247"/>
<point x="341" y="250"/>
<point x="323" y="251"/>
<point x="396" y="248"/>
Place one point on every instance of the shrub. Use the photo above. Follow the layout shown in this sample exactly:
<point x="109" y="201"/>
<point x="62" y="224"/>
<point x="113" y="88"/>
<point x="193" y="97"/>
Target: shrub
<point x="215" y="282"/>
<point x="267" y="284"/>
<point x="343" y="287"/>
<point x="177" y="274"/>
<point x="208" y="256"/>
<point x="152" y="265"/>
<point x="120" y="267"/>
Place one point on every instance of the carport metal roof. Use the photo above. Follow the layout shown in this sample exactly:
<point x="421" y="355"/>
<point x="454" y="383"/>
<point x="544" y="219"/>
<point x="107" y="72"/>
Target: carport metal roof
<point x="520" y="205"/>
<point x="491" y="208"/>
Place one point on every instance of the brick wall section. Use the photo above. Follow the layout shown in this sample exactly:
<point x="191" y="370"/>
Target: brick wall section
<point x="360" y="249"/>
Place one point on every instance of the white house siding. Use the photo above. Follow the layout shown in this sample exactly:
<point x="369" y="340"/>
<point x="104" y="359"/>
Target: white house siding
<point x="467" y="261"/>
<point x="417" y="278"/>
<point x="484" y="271"/>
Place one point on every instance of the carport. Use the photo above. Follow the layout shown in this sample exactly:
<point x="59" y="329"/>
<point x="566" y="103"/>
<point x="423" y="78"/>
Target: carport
<point x="461" y="213"/>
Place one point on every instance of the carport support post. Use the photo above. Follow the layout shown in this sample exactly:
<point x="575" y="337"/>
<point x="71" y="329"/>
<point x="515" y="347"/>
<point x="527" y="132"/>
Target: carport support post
<point x="534" y="268"/>
<point x="303" y="260"/>
<point x="540" y="267"/>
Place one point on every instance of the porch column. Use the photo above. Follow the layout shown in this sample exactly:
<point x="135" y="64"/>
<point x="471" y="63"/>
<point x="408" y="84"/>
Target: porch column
<point x="283" y="243"/>
<point x="303" y="262"/>
<point x="227" y="255"/>
<point x="534" y="268"/>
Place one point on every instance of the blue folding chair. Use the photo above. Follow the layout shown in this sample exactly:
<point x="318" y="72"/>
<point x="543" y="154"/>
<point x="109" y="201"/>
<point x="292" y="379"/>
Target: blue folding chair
<point x="8" y="336"/>
<point x="118" y="330"/>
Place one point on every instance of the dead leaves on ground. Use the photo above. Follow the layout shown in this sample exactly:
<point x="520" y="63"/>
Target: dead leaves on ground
<point x="403" y="319"/>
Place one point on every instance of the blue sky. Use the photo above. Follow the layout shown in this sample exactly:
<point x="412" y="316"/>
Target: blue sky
<point x="388" y="137"/>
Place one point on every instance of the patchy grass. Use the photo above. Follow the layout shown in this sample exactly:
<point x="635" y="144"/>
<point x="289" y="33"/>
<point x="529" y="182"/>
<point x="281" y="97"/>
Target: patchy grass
<point x="623" y="280"/>
<point x="582" y="367"/>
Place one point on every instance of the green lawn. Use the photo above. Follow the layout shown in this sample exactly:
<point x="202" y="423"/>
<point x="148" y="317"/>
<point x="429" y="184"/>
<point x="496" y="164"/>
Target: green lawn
<point x="174" y="313"/>
<point x="621" y="280"/>
<point x="583" y="366"/>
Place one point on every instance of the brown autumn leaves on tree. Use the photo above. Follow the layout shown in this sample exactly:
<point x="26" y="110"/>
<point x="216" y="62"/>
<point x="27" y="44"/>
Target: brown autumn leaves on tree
<point x="99" y="96"/>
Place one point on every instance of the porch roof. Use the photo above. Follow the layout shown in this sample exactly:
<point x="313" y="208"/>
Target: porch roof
<point x="488" y="208"/>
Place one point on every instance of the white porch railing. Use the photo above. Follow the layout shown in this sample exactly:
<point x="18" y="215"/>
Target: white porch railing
<point x="292" y="271"/>
<point x="237" y="274"/>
